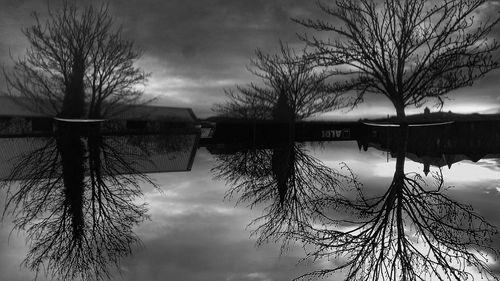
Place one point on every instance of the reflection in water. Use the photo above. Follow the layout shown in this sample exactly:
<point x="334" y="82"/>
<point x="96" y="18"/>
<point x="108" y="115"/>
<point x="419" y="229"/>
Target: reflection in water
<point x="413" y="231"/>
<point x="75" y="196"/>
<point x="293" y="186"/>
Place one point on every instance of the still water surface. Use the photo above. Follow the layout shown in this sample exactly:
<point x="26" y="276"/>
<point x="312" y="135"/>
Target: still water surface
<point x="256" y="214"/>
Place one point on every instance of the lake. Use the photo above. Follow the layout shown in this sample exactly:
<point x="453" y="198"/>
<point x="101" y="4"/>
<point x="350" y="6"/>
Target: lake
<point x="383" y="204"/>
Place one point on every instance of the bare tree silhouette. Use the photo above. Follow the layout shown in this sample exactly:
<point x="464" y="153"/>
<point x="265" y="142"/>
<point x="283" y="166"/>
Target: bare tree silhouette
<point x="291" y="89"/>
<point x="413" y="231"/>
<point x="290" y="183"/>
<point x="78" y="65"/>
<point x="407" y="51"/>
<point x="76" y="201"/>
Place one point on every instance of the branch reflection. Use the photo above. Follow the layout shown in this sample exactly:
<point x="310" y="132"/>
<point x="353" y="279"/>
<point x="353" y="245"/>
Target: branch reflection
<point x="75" y="195"/>
<point x="291" y="184"/>
<point x="413" y="231"/>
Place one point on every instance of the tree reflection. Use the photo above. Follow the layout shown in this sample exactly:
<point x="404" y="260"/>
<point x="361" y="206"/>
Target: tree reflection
<point x="291" y="184"/>
<point x="76" y="199"/>
<point x="413" y="231"/>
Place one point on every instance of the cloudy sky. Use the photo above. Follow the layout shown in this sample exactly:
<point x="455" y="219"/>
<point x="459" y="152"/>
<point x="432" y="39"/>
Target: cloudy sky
<point x="196" y="49"/>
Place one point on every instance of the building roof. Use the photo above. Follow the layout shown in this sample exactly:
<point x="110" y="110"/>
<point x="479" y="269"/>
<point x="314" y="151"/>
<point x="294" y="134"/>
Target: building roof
<point x="22" y="107"/>
<point x="153" y="113"/>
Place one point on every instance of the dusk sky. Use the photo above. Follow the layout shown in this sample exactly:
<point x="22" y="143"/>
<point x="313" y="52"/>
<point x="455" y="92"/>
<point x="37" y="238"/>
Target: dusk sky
<point x="196" y="49"/>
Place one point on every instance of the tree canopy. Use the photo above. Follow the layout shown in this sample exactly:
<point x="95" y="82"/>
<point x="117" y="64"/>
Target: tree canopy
<point x="291" y="87"/>
<point x="409" y="51"/>
<point x="78" y="65"/>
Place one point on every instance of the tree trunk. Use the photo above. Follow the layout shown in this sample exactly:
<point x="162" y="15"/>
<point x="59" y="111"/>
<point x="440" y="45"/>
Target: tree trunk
<point x="282" y="110"/>
<point x="74" y="96"/>
<point x="400" y="110"/>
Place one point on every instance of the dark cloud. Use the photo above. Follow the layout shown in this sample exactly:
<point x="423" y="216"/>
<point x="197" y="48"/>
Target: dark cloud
<point x="208" y="38"/>
<point x="206" y="45"/>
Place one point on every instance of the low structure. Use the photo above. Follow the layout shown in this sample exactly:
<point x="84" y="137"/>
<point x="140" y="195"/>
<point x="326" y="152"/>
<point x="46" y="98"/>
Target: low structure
<point x="19" y="119"/>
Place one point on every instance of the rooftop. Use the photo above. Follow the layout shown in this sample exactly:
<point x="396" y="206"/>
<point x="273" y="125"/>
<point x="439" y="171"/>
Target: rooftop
<point x="22" y="107"/>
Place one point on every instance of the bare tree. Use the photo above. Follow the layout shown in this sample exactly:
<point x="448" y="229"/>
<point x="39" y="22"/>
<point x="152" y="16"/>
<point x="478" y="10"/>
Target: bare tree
<point x="407" y="51"/>
<point x="292" y="88"/>
<point x="413" y="231"/>
<point x="78" y="65"/>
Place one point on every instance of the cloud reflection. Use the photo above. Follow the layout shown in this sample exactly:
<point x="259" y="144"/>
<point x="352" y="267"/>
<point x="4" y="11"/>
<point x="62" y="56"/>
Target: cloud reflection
<point x="412" y="230"/>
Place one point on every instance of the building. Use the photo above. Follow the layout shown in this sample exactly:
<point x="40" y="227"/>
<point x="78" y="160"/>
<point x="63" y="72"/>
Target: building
<point x="22" y="117"/>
